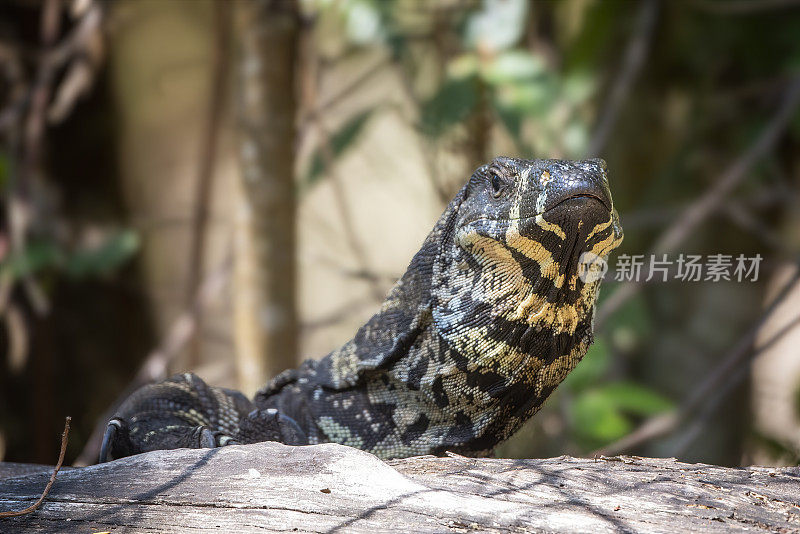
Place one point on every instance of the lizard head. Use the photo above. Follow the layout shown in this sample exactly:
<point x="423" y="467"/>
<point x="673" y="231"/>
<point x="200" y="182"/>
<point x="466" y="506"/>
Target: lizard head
<point x="531" y="238"/>
<point x="547" y="215"/>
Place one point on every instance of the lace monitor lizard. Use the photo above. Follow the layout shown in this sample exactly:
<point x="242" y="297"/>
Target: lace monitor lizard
<point x="493" y="312"/>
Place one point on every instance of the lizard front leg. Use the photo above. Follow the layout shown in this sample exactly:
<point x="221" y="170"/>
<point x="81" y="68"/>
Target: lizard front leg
<point x="182" y="411"/>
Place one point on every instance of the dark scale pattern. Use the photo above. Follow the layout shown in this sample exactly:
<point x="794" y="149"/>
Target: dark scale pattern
<point x="488" y="319"/>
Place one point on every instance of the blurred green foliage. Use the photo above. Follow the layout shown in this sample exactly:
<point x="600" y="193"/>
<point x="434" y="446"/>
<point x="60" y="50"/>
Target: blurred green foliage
<point x="492" y="69"/>
<point x="43" y="255"/>
<point x="603" y="410"/>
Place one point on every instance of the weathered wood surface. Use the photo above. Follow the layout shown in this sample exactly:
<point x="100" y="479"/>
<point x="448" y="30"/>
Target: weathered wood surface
<point x="270" y="487"/>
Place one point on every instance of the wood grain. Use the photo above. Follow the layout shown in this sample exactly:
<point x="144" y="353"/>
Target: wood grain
<point x="269" y="487"/>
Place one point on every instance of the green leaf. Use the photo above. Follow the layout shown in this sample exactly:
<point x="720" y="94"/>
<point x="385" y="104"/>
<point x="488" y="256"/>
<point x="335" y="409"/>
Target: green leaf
<point x="634" y="398"/>
<point x="452" y="103"/>
<point x="102" y="260"/>
<point x="596" y="419"/>
<point x="534" y="97"/>
<point x="339" y="143"/>
<point x="514" y="66"/>
<point x="601" y="414"/>
<point x="36" y="256"/>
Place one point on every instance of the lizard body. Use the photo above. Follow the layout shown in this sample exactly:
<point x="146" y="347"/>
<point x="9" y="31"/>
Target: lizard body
<point x="490" y="316"/>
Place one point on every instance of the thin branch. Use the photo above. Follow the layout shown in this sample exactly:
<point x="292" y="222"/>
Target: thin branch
<point x="738" y="213"/>
<point x="700" y="209"/>
<point x="38" y="503"/>
<point x="24" y="120"/>
<point x="714" y="401"/>
<point x="347" y="91"/>
<point x="425" y="148"/>
<point x="18" y="338"/>
<point x="378" y="292"/>
<point x="33" y="126"/>
<point x="75" y="46"/>
<point x="208" y="155"/>
<point x="718" y="380"/>
<point x="631" y="66"/>
<point x="743" y="7"/>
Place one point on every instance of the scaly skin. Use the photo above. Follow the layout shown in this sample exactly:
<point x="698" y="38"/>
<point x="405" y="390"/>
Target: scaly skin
<point x="489" y="318"/>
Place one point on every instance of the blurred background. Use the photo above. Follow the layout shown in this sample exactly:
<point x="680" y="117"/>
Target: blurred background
<point x="229" y="187"/>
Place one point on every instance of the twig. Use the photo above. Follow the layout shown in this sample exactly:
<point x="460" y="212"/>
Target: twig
<point x="156" y="364"/>
<point x="712" y="404"/>
<point x="716" y="380"/>
<point x="738" y="213"/>
<point x="742" y="7"/>
<point x="631" y="66"/>
<point x="313" y="116"/>
<point x="27" y="113"/>
<point x="694" y="214"/>
<point x="18" y="337"/>
<point x="347" y="91"/>
<point x="29" y="166"/>
<point x="424" y="147"/>
<point x="208" y="153"/>
<point x="711" y="200"/>
<point x="38" y="503"/>
<point x="377" y="291"/>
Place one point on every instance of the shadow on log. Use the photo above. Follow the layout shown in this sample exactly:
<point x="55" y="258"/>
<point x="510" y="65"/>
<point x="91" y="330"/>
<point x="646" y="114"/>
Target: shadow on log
<point x="269" y="487"/>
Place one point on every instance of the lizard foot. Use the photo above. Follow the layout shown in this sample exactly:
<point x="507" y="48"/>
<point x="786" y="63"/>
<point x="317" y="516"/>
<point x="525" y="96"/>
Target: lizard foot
<point x="119" y="441"/>
<point x="180" y="412"/>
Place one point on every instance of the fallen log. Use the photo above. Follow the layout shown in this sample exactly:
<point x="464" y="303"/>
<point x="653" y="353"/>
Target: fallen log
<point x="269" y="487"/>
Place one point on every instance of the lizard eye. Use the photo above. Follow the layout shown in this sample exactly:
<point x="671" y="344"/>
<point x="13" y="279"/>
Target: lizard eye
<point x="498" y="186"/>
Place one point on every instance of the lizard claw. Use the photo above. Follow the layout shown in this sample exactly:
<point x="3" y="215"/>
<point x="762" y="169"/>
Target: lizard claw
<point x="205" y="437"/>
<point x="210" y="439"/>
<point x="115" y="440"/>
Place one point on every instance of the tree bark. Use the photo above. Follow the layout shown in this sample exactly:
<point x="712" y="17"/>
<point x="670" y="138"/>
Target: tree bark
<point x="269" y="487"/>
<point x="265" y="312"/>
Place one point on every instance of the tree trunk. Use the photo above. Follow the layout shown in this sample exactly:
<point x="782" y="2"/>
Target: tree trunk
<point x="265" y="312"/>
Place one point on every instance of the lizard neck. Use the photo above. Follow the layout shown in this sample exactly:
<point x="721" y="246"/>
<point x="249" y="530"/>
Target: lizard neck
<point x="391" y="333"/>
